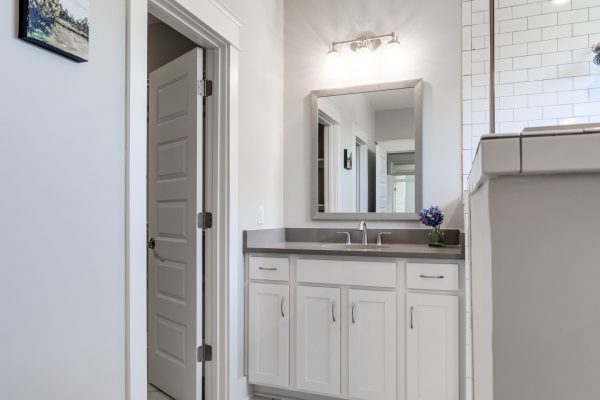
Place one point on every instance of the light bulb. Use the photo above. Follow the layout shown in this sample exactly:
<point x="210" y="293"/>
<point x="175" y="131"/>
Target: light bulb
<point x="333" y="52"/>
<point x="393" y="42"/>
<point x="361" y="49"/>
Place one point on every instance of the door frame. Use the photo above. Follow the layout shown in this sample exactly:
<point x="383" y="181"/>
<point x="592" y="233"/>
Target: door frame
<point x="216" y="29"/>
<point x="330" y="117"/>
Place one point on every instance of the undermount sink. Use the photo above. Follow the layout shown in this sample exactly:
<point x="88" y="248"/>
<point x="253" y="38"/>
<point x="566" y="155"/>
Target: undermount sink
<point x="358" y="246"/>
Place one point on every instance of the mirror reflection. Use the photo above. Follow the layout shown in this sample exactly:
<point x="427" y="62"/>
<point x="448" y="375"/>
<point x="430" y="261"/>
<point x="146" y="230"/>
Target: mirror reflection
<point x="367" y="152"/>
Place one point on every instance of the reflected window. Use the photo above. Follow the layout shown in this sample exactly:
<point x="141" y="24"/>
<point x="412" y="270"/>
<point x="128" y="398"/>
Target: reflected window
<point x="401" y="170"/>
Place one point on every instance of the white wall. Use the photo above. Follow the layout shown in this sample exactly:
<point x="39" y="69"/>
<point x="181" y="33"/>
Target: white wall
<point x="62" y="163"/>
<point x="545" y="74"/>
<point x="356" y="110"/>
<point x="261" y="112"/>
<point x="430" y="36"/>
<point x="260" y="161"/>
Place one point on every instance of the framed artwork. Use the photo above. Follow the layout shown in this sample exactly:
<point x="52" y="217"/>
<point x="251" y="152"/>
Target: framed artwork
<point x="61" y="26"/>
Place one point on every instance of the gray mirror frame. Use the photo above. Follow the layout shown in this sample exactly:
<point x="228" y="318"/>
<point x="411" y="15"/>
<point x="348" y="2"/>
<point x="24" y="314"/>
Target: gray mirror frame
<point x="417" y="85"/>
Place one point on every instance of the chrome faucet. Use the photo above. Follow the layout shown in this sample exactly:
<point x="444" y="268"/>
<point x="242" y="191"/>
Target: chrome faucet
<point x="363" y="228"/>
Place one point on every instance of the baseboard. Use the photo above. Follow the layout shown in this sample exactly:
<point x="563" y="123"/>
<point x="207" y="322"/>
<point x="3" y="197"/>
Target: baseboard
<point x="271" y="396"/>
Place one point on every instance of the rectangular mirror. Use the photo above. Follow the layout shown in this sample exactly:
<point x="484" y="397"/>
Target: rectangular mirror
<point x="366" y="162"/>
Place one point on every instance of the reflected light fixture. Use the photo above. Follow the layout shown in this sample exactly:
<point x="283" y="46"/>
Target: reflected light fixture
<point x="394" y="42"/>
<point x="365" y="44"/>
<point x="333" y="52"/>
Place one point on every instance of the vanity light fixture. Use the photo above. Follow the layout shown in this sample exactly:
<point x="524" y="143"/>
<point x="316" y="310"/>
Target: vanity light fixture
<point x="365" y="44"/>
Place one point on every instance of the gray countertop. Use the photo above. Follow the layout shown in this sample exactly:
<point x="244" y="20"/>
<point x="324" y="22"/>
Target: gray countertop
<point x="453" y="252"/>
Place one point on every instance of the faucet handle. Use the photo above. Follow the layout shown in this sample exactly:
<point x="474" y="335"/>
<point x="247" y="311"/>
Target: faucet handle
<point x="362" y="226"/>
<point x="380" y="236"/>
<point x="348" y="240"/>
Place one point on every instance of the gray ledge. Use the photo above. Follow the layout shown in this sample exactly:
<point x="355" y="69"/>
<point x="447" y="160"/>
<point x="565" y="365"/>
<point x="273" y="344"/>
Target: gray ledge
<point x="401" y="243"/>
<point x="543" y="150"/>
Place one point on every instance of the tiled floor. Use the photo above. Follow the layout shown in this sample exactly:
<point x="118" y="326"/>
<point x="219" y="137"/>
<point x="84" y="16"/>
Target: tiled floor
<point x="155" y="394"/>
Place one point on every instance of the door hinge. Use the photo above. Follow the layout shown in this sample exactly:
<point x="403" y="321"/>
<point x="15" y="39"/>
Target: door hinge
<point x="205" y="88"/>
<point x="205" y="353"/>
<point x="205" y="220"/>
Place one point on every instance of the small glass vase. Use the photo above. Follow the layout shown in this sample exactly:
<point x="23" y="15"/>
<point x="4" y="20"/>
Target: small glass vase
<point x="436" y="237"/>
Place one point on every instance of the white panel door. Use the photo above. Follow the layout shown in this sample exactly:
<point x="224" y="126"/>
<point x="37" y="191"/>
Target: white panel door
<point x="318" y="340"/>
<point x="269" y="334"/>
<point x="372" y="350"/>
<point x="432" y="347"/>
<point x="381" y="203"/>
<point x="174" y="199"/>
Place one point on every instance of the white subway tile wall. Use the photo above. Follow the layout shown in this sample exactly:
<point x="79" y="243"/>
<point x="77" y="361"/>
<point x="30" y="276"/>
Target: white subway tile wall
<point x="544" y="69"/>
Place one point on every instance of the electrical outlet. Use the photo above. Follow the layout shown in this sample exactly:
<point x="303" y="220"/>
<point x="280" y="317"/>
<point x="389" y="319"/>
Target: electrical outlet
<point x="261" y="215"/>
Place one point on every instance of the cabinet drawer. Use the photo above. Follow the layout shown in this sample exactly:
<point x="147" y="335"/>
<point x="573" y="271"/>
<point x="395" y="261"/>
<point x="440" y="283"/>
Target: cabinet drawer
<point x="339" y="272"/>
<point x="432" y="276"/>
<point x="270" y="268"/>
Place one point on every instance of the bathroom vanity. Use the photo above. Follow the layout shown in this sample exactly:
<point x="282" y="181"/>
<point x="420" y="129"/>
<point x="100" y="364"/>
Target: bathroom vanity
<point x="365" y="314"/>
<point x="330" y="320"/>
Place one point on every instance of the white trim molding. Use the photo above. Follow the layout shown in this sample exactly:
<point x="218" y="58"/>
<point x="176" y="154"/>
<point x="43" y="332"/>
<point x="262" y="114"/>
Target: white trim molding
<point x="135" y="201"/>
<point x="228" y="11"/>
<point x="201" y="15"/>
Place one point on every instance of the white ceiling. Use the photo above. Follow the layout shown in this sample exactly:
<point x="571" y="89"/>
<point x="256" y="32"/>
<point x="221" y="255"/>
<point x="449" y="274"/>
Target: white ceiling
<point x="391" y="99"/>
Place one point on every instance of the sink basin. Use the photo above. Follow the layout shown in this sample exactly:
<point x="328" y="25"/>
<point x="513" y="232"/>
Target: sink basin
<point x="341" y="246"/>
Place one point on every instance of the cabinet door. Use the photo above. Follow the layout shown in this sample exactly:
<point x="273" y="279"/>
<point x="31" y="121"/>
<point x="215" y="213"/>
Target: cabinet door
<point x="318" y="340"/>
<point x="372" y="334"/>
<point x="432" y="347"/>
<point x="269" y="334"/>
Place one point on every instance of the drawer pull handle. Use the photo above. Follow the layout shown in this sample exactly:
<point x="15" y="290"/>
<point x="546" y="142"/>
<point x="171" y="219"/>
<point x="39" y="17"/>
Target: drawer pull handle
<point x="333" y="310"/>
<point x="353" y="312"/>
<point x="283" y="307"/>
<point x="412" y="309"/>
<point x="268" y="268"/>
<point x="432" y="276"/>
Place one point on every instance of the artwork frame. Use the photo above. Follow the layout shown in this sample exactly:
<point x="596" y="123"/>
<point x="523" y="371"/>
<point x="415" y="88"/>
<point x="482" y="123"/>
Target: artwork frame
<point x="60" y="26"/>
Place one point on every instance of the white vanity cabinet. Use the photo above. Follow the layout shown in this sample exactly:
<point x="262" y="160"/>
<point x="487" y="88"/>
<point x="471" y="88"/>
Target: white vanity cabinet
<point x="318" y="339"/>
<point x="269" y="334"/>
<point x="432" y="363"/>
<point x="372" y="344"/>
<point x="352" y="328"/>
